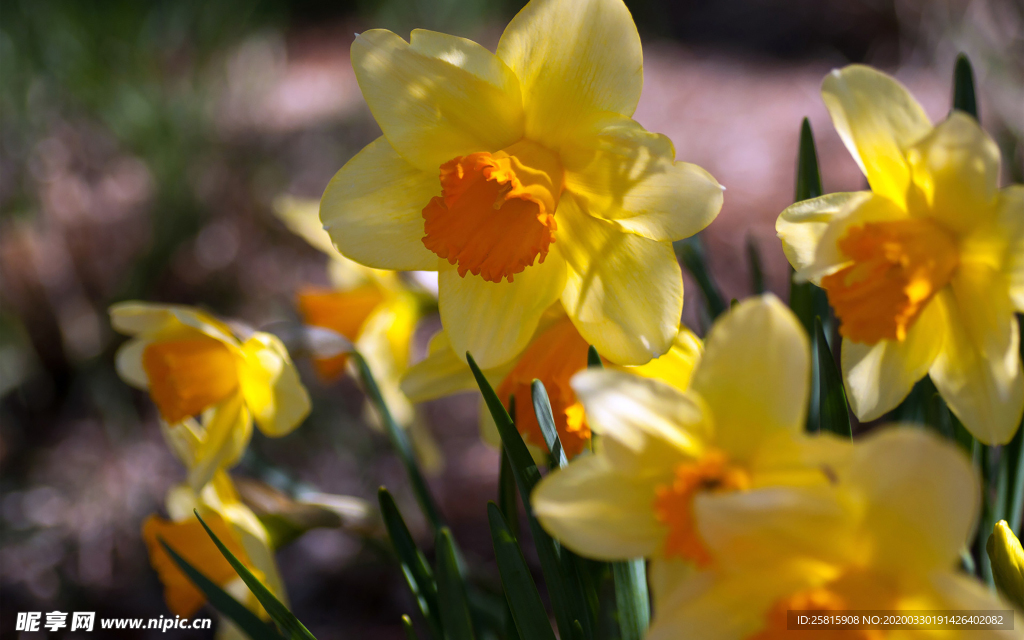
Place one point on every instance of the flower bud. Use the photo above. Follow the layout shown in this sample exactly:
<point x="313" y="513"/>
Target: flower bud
<point x="1007" y="557"/>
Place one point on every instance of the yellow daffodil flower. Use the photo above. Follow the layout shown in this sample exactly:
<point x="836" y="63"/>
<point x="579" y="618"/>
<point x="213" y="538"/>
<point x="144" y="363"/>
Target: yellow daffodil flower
<point x="522" y="179"/>
<point x="553" y="356"/>
<point x="906" y="504"/>
<point x="728" y="449"/>
<point x="926" y="270"/>
<point x="371" y="308"/>
<point x="195" y="365"/>
<point x="233" y="523"/>
<point x="1007" y="557"/>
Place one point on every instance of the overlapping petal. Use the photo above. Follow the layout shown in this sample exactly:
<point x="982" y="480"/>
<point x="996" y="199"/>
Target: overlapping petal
<point x="271" y="386"/>
<point x="429" y="108"/>
<point x="373" y="209"/>
<point x="226" y="431"/>
<point x="630" y="176"/>
<point x="494" y="321"/>
<point x="878" y="120"/>
<point x="1011" y="203"/>
<point x="623" y="292"/>
<point x="573" y="60"/>
<point x="955" y="171"/>
<point x="597" y="510"/>
<point x="978" y="370"/>
<point x="754" y="374"/>
<point x="879" y="376"/>
<point x="863" y="207"/>
<point x="802" y="226"/>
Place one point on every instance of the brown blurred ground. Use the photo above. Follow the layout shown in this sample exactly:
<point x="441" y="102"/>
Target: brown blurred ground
<point x="87" y="210"/>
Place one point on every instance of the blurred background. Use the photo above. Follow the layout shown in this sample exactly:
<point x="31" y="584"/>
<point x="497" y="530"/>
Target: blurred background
<point x="142" y="145"/>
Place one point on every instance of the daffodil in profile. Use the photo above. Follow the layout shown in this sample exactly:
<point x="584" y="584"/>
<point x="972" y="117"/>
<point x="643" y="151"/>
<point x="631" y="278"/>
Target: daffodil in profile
<point x="926" y="270"/>
<point x="729" y="449"/>
<point x="522" y="179"/>
<point x="233" y="523"/>
<point x="553" y="356"/>
<point x="208" y="381"/>
<point x="905" y="503"/>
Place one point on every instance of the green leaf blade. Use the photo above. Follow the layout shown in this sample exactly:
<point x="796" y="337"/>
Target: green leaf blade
<point x="964" y="97"/>
<point x="631" y="598"/>
<point x="220" y="600"/>
<point x="546" y="420"/>
<point x="451" y="590"/>
<point x="523" y="597"/>
<point x="834" y="411"/>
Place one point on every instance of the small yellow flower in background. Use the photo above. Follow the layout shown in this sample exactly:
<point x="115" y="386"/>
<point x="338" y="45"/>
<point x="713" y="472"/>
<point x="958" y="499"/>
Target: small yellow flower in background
<point x="521" y="177"/>
<point x="371" y="308"/>
<point x="926" y="270"/>
<point x="194" y="365"/>
<point x="1007" y="557"/>
<point x="729" y="449"/>
<point x="906" y="503"/>
<point x="233" y="523"/>
<point x="553" y="356"/>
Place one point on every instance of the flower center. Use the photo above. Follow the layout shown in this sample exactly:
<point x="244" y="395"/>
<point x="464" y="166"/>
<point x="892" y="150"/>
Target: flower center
<point x="496" y="211"/>
<point x="553" y="358"/>
<point x="189" y="375"/>
<point x="853" y="590"/>
<point x="344" y="312"/>
<point x="673" y="504"/>
<point x="897" y="267"/>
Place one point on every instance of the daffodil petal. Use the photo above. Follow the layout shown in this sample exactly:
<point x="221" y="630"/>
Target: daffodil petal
<point x="955" y="170"/>
<point x="921" y="498"/>
<point x="630" y="176"/>
<point x="978" y="372"/>
<point x="802" y="225"/>
<point x="128" y="362"/>
<point x="878" y="377"/>
<point x="443" y="373"/>
<point x="624" y="292"/>
<point x="226" y="432"/>
<point x="373" y="209"/>
<point x="469" y="56"/>
<point x="754" y="375"/>
<point x="133" y="318"/>
<point x="430" y="109"/>
<point x="574" y="59"/>
<point x="862" y="207"/>
<point x="494" y="321"/>
<point x="676" y="367"/>
<point x="878" y="120"/>
<point x="646" y="426"/>
<point x="598" y="512"/>
<point x="1011" y="203"/>
<point x="777" y="521"/>
<point x="271" y="386"/>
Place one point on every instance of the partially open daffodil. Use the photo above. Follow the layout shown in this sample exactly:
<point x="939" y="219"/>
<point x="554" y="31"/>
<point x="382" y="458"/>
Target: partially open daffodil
<point x="555" y="354"/>
<point x="905" y="502"/>
<point x="521" y="177"/>
<point x="926" y="270"/>
<point x="233" y="523"/>
<point x="373" y="309"/>
<point x="728" y="449"/>
<point x="208" y="383"/>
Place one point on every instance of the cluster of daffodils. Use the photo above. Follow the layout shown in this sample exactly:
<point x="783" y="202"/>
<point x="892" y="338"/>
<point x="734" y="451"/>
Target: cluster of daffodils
<point x="549" y="214"/>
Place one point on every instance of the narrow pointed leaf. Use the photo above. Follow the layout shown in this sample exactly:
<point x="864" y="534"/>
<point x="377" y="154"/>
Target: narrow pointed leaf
<point x="400" y="441"/>
<point x="415" y="568"/>
<point x="277" y="610"/>
<point x="451" y="590"/>
<point x="220" y="600"/>
<point x="507" y="494"/>
<point x="808" y="177"/>
<point x="523" y="598"/>
<point x="410" y="632"/>
<point x="542" y="407"/>
<point x="691" y="251"/>
<point x="631" y="598"/>
<point x="756" y="268"/>
<point x="834" y="412"/>
<point x="964" y="98"/>
<point x="1015" y="508"/>
<point x="525" y="471"/>
<point x="593" y="358"/>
